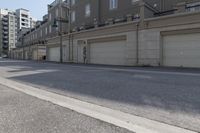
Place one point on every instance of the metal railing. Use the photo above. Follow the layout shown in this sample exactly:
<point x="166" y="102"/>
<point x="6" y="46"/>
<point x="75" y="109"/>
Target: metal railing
<point x="193" y="8"/>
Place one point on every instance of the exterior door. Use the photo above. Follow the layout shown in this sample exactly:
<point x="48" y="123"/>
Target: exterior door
<point x="54" y="54"/>
<point x="181" y="50"/>
<point x="109" y="53"/>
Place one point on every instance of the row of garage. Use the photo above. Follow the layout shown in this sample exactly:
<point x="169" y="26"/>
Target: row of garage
<point x="171" y="40"/>
<point x="176" y="50"/>
<point x="101" y="52"/>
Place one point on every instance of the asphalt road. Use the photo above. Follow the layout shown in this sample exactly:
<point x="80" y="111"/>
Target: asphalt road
<point x="21" y="113"/>
<point x="167" y="95"/>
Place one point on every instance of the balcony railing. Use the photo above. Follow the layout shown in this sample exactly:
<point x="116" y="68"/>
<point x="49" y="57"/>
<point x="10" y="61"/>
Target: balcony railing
<point x="5" y="37"/>
<point x="192" y="8"/>
<point x="5" y="46"/>
<point x="5" y="23"/>
<point x="168" y="12"/>
<point x="5" y="42"/>
<point x="5" y="32"/>
<point x="5" y="28"/>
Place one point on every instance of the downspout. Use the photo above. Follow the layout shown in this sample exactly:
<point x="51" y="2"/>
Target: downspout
<point x="69" y="30"/>
<point x="99" y="11"/>
<point x="61" y="36"/>
<point x="163" y="5"/>
<point x="137" y="43"/>
<point x="29" y="53"/>
<point x="72" y="38"/>
<point x="139" y="23"/>
<point x="23" y="52"/>
<point x="37" y="52"/>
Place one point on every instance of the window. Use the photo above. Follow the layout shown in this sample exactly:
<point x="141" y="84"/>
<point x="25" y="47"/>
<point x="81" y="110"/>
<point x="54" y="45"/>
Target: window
<point x="193" y="7"/>
<point x="57" y="12"/>
<point x="49" y="28"/>
<point x="11" y="35"/>
<point x="87" y="10"/>
<point x="113" y="4"/>
<point x="73" y="16"/>
<point x="35" y="35"/>
<point x="41" y="33"/>
<point x="46" y="30"/>
<point x="133" y="1"/>
<point x="73" y="2"/>
<point x="49" y="16"/>
<point x="11" y="41"/>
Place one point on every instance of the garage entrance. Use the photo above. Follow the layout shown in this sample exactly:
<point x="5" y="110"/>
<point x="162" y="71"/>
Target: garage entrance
<point x="181" y="50"/>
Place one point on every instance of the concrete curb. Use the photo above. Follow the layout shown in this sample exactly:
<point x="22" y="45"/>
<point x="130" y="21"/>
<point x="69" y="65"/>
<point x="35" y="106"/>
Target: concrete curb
<point x="133" y="123"/>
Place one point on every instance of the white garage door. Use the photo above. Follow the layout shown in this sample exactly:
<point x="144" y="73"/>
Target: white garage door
<point x="182" y="50"/>
<point x="34" y="55"/>
<point x="111" y="53"/>
<point x="54" y="54"/>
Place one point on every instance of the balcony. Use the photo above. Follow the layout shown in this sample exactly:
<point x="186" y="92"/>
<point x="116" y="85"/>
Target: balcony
<point x="25" y="20"/>
<point x="24" y="15"/>
<point x="5" y="28"/>
<point x="5" y="32"/>
<point x="5" y="42"/>
<point x="5" y="19"/>
<point x="5" y="23"/>
<point x="5" y="37"/>
<point x="5" y="46"/>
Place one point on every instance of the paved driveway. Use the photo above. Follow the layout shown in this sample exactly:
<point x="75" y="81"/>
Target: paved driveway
<point x="167" y="95"/>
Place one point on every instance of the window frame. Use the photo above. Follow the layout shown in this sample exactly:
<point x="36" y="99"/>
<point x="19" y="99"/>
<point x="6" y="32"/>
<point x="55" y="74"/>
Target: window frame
<point x="87" y="10"/>
<point x="113" y="4"/>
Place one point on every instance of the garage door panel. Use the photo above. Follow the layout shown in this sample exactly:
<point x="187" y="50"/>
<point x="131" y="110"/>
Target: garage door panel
<point x="54" y="54"/>
<point x="34" y="55"/>
<point x="183" y="45"/>
<point x="111" y="53"/>
<point x="183" y="37"/>
<point x="182" y="50"/>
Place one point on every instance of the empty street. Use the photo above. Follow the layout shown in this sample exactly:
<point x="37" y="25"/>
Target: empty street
<point x="167" y="95"/>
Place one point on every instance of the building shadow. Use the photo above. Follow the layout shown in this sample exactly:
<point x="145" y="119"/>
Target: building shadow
<point x="132" y="92"/>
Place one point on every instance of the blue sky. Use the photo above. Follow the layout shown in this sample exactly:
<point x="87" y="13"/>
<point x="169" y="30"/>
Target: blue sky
<point x="38" y="8"/>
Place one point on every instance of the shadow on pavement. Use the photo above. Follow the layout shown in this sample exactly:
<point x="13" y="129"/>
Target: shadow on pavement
<point x="155" y="96"/>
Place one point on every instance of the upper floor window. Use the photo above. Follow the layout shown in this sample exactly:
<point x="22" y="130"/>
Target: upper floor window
<point x="35" y="35"/>
<point x="87" y="10"/>
<point x="73" y="16"/>
<point x="193" y="6"/>
<point x="41" y="33"/>
<point x="73" y="2"/>
<point x="113" y="4"/>
<point x="49" y="28"/>
<point x="49" y="16"/>
<point x="46" y="31"/>
<point x="57" y="12"/>
<point x="133" y="1"/>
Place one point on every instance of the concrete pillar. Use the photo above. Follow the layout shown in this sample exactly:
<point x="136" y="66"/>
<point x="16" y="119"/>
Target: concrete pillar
<point x="142" y="12"/>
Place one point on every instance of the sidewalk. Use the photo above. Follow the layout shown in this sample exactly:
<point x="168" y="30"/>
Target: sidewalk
<point x="21" y="113"/>
<point x="124" y="120"/>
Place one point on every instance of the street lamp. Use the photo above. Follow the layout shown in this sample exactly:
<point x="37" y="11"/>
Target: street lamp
<point x="60" y="20"/>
